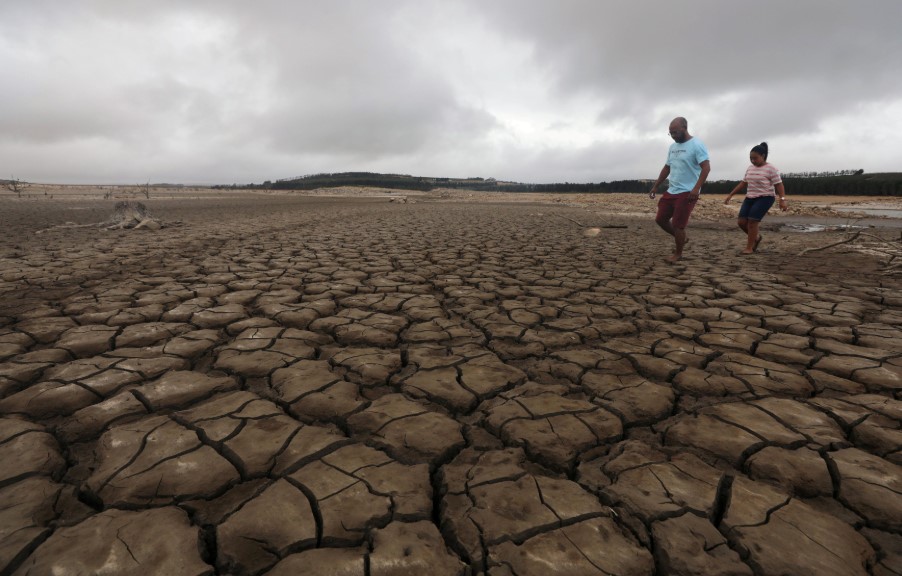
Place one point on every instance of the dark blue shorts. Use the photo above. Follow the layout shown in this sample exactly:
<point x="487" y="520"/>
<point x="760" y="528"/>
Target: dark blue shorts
<point x="755" y="208"/>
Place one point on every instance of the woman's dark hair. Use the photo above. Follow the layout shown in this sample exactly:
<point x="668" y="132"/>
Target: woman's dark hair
<point x="761" y="149"/>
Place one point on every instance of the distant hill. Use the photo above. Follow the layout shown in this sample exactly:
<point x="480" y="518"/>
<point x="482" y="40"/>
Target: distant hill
<point x="407" y="182"/>
<point x="847" y="183"/>
<point x="395" y="181"/>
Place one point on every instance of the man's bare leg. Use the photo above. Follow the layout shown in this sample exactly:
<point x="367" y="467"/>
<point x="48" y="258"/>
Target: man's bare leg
<point x="679" y="236"/>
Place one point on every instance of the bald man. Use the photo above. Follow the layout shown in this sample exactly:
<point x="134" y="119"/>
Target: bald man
<point x="687" y="168"/>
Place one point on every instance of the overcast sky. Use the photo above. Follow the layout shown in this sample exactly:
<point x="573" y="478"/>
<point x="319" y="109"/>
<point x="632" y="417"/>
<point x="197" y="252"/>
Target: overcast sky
<point x="223" y="91"/>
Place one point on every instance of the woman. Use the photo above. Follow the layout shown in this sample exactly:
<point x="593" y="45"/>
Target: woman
<point x="764" y="185"/>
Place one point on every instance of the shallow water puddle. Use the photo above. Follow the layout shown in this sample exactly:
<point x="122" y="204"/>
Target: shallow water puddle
<point x="821" y="227"/>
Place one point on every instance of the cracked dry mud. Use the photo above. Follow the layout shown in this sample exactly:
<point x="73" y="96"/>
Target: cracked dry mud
<point x="320" y="386"/>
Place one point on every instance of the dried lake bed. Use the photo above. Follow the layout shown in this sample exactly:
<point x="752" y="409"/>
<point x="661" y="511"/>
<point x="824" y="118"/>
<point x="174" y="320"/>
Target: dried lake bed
<point x="448" y="383"/>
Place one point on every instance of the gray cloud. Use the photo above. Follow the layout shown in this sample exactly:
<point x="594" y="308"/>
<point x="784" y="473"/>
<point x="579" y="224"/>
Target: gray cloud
<point x="577" y="90"/>
<point x="698" y="47"/>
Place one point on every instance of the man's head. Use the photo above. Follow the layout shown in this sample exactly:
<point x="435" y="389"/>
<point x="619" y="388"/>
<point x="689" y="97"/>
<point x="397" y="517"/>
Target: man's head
<point x="679" y="129"/>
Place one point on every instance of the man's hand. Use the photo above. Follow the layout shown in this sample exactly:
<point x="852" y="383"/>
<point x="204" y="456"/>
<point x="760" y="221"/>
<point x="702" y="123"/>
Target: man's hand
<point x="693" y="196"/>
<point x="654" y="191"/>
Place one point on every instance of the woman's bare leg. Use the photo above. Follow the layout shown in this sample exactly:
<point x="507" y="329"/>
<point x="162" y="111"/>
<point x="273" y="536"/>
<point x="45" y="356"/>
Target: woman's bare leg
<point x="752" y="227"/>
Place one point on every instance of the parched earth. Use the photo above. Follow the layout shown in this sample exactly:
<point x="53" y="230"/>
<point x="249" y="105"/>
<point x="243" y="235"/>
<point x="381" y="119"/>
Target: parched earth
<point x="290" y="386"/>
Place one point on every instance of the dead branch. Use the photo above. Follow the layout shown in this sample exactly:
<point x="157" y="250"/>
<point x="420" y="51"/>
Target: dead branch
<point x="877" y="246"/>
<point x="819" y="248"/>
<point x="580" y="224"/>
<point x="67" y="225"/>
<point x="577" y="222"/>
<point x="880" y="238"/>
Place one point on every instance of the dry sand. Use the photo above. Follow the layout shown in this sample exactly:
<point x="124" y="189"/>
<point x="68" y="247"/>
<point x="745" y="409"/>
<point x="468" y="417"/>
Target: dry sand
<point x="303" y="383"/>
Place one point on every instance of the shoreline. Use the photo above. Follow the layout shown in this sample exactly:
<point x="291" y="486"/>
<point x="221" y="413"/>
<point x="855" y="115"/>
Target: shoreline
<point x="615" y="202"/>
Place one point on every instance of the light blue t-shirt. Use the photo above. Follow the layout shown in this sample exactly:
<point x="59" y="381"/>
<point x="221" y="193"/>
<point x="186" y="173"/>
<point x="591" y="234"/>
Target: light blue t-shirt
<point x="684" y="159"/>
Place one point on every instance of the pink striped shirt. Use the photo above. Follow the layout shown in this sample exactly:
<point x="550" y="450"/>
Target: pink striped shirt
<point x="761" y="180"/>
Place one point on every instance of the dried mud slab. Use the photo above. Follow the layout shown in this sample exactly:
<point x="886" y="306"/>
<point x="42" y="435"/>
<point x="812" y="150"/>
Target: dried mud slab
<point x="552" y="429"/>
<point x="870" y="486"/>
<point x="255" y="435"/>
<point x="155" y="541"/>
<point x="365" y="366"/>
<point x="313" y="391"/>
<point x="399" y="548"/>
<point x="408" y="430"/>
<point x="689" y="544"/>
<point x="27" y="449"/>
<point x="27" y="509"/>
<point x="457" y="379"/>
<point x="265" y="529"/>
<point x="156" y="461"/>
<point x="517" y="509"/>
<point x="317" y="385"/>
<point x="653" y="486"/>
<point x="784" y="535"/>
<point x="357" y="487"/>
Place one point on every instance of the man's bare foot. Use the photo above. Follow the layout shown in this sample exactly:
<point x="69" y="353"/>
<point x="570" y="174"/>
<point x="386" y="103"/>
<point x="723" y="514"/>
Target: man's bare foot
<point x="746" y="252"/>
<point x="674" y="257"/>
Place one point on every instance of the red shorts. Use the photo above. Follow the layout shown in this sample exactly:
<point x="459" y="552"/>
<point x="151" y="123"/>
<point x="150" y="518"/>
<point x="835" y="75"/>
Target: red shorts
<point x="677" y="207"/>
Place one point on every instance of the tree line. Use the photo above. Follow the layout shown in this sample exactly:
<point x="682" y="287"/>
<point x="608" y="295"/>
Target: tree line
<point x="839" y="183"/>
<point x="823" y="174"/>
<point x="855" y="184"/>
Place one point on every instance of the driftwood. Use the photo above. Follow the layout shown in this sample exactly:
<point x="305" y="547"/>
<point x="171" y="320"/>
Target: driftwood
<point x="131" y="215"/>
<point x="127" y="215"/>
